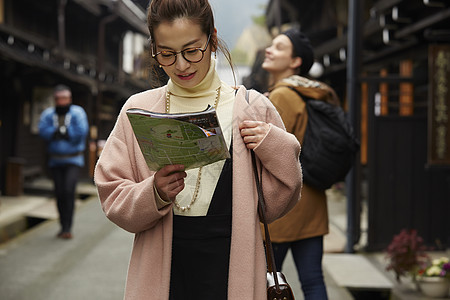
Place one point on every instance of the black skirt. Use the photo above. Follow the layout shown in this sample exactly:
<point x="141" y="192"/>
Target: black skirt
<point x="201" y="247"/>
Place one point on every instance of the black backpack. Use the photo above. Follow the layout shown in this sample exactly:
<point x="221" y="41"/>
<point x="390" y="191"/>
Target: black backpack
<point x="329" y="145"/>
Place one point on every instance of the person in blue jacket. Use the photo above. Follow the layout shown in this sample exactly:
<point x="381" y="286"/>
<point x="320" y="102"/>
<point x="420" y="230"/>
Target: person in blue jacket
<point x="64" y="127"/>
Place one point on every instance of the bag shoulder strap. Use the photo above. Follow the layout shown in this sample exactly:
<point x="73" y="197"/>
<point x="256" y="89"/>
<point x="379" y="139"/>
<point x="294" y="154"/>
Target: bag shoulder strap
<point x="271" y="267"/>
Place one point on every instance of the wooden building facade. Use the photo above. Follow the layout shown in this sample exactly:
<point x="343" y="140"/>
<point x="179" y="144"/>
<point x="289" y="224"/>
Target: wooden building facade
<point x="389" y="61"/>
<point x="79" y="43"/>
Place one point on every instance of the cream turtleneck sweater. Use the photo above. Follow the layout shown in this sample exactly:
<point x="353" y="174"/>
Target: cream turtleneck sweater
<point x="196" y="99"/>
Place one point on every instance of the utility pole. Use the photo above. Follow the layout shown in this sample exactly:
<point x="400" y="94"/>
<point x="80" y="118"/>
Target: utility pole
<point x="353" y="184"/>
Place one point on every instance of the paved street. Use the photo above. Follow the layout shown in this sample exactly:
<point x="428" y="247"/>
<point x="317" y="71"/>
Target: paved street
<point x="36" y="265"/>
<point x="93" y="265"/>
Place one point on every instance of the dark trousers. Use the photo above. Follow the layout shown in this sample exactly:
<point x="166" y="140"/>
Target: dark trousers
<point x="307" y="254"/>
<point x="65" y="180"/>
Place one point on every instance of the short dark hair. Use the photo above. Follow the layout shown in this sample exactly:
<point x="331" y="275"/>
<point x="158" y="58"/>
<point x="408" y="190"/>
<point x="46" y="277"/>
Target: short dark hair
<point x="302" y="48"/>
<point x="61" y="87"/>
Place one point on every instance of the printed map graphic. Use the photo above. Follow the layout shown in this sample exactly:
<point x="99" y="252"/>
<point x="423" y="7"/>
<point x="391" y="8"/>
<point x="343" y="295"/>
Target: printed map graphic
<point x="166" y="141"/>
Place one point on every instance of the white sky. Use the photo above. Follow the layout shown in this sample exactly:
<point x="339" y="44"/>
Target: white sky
<point x="232" y="16"/>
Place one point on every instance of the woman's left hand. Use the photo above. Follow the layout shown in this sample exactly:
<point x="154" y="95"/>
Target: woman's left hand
<point x="253" y="132"/>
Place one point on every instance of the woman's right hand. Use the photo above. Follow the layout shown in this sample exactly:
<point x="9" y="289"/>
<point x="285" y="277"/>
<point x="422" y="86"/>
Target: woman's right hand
<point x="169" y="181"/>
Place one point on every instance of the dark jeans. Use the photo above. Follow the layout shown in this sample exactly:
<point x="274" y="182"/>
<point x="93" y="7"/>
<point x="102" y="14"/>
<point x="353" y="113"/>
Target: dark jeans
<point x="307" y="256"/>
<point x="65" y="179"/>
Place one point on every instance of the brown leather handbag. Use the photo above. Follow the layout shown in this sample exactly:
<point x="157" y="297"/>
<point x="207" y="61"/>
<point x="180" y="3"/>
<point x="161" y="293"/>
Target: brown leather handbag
<point x="277" y="286"/>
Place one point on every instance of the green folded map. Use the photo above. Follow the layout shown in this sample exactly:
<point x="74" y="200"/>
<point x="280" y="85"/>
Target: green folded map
<point x="191" y="139"/>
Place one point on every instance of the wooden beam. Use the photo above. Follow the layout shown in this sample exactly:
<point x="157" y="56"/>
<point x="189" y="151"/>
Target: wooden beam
<point x="27" y="37"/>
<point x="423" y="24"/>
<point x="384" y="94"/>
<point x="383" y="5"/>
<point x="92" y="6"/>
<point x="364" y="121"/>
<point x="2" y="11"/>
<point x="371" y="27"/>
<point x="406" y="99"/>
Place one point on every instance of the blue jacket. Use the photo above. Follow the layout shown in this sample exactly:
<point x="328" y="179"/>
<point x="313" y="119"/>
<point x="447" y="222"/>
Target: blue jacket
<point x="69" y="150"/>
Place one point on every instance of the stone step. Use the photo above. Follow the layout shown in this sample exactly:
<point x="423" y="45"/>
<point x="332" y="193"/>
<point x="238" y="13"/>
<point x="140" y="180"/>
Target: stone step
<point x="355" y="271"/>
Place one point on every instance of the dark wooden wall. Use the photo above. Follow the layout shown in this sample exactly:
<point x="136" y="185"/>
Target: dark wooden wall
<point x="404" y="191"/>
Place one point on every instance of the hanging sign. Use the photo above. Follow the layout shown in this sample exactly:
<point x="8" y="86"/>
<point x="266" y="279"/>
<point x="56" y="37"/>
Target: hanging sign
<point x="439" y="105"/>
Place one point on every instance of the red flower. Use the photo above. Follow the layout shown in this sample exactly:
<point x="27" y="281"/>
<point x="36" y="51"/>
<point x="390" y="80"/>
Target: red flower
<point x="406" y="252"/>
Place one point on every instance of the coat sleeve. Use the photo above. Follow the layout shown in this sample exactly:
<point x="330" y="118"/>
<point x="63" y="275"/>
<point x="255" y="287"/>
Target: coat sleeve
<point x="46" y="127"/>
<point x="124" y="182"/>
<point x="278" y="154"/>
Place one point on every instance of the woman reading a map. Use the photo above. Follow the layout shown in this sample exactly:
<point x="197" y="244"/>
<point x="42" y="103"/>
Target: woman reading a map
<point x="197" y="233"/>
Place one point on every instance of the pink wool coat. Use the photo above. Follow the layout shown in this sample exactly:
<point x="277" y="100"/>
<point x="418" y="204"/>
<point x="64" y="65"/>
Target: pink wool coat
<point x="125" y="189"/>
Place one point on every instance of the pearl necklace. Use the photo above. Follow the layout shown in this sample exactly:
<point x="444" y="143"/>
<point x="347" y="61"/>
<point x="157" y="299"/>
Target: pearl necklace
<point x="199" y="176"/>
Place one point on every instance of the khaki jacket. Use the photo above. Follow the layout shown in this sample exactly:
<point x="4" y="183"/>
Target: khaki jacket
<point x="125" y="188"/>
<point x="309" y="218"/>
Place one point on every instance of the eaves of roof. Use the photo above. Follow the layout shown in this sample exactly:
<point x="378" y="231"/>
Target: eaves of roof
<point x="125" y="9"/>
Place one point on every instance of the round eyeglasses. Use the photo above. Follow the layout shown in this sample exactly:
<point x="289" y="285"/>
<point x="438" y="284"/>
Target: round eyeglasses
<point x="167" y="57"/>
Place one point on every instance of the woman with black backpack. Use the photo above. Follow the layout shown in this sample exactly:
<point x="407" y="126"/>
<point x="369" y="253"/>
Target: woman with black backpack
<point x="288" y="60"/>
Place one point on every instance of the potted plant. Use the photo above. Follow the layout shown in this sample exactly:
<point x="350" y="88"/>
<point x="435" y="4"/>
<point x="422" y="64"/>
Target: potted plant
<point x="433" y="278"/>
<point x="406" y="253"/>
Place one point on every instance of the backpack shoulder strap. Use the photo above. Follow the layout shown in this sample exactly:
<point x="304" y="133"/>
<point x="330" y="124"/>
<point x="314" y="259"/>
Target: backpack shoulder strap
<point x="304" y="98"/>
